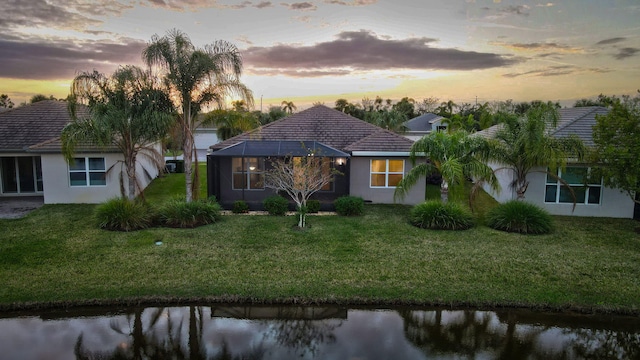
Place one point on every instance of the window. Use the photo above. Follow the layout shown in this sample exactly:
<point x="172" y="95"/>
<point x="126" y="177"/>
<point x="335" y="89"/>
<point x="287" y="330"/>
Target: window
<point x="386" y="173"/>
<point x="87" y="172"/>
<point x="576" y="177"/>
<point x="248" y="174"/>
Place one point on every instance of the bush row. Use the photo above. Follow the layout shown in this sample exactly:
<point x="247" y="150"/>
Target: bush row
<point x="512" y="216"/>
<point x="121" y="214"/>
<point x="345" y="205"/>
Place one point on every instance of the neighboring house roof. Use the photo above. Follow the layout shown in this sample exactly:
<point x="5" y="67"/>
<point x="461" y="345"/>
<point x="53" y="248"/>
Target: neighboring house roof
<point x="422" y="123"/>
<point x="578" y="121"/>
<point x="279" y="148"/>
<point x="33" y="124"/>
<point x="329" y="127"/>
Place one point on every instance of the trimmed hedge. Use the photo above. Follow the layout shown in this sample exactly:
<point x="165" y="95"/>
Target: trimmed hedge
<point x="313" y="206"/>
<point x="436" y="215"/>
<point x="520" y="217"/>
<point x="240" y="207"/>
<point x="276" y="205"/>
<point x="349" y="205"/>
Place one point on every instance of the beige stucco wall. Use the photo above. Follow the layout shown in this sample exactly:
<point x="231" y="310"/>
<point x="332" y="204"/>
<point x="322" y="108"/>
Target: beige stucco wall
<point x="55" y="175"/>
<point x="613" y="203"/>
<point x="360" y="183"/>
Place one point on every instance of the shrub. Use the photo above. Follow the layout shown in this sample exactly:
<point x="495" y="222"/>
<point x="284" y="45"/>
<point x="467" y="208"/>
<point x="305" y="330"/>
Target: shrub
<point x="437" y="215"/>
<point x="240" y="207"/>
<point x="121" y="214"/>
<point x="349" y="205"/>
<point x="182" y="214"/>
<point x="313" y="206"/>
<point x="520" y="217"/>
<point x="276" y="205"/>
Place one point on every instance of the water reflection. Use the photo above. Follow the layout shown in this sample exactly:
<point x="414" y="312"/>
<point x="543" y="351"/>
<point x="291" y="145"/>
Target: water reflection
<point x="234" y="332"/>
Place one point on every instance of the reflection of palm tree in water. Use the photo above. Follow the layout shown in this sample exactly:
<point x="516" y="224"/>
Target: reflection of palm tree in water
<point x="303" y="336"/>
<point x="469" y="336"/>
<point x="146" y="344"/>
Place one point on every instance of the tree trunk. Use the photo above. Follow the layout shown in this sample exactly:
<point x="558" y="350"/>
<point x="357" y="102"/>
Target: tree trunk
<point x="444" y="191"/>
<point x="187" y="147"/>
<point x="131" y="176"/>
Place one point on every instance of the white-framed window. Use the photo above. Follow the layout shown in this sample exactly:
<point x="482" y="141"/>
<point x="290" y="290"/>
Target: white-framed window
<point x="326" y="164"/>
<point x="386" y="173"/>
<point x="87" y="171"/>
<point x="576" y="177"/>
<point x="248" y="175"/>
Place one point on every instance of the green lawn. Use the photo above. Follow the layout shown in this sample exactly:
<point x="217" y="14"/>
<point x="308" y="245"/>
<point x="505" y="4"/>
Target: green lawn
<point x="57" y="256"/>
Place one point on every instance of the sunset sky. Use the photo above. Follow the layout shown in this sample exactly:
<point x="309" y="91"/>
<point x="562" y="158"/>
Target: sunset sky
<point x="322" y="50"/>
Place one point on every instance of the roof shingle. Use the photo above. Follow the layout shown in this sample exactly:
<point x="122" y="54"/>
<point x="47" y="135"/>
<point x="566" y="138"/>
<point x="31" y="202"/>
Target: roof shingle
<point x="328" y="126"/>
<point x="32" y="124"/>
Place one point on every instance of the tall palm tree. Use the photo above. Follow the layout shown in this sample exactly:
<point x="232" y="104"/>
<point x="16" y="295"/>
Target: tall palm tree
<point x="289" y="106"/>
<point x="524" y="143"/>
<point x="127" y="110"/>
<point x="198" y="77"/>
<point x="455" y="156"/>
<point x="392" y="120"/>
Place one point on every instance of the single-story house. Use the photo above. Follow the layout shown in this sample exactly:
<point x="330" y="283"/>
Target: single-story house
<point x="32" y="164"/>
<point x="424" y="124"/>
<point x="592" y="199"/>
<point x="372" y="160"/>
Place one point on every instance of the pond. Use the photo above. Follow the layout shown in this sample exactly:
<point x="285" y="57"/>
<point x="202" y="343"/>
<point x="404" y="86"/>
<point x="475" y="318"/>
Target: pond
<point x="259" y="332"/>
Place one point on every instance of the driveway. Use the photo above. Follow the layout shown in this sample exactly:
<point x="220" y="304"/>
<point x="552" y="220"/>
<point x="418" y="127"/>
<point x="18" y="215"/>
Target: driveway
<point x="17" y="207"/>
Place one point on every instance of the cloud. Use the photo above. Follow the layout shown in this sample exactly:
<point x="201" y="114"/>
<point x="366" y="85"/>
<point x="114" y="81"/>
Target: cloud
<point x="557" y="70"/>
<point x="539" y="47"/>
<point x="611" y="41"/>
<point x="263" y="4"/>
<point x="68" y="15"/>
<point x="301" y="6"/>
<point x="546" y="5"/>
<point x="351" y="3"/>
<point x="63" y="58"/>
<point x="298" y="73"/>
<point x="626" y="53"/>
<point x="363" y="50"/>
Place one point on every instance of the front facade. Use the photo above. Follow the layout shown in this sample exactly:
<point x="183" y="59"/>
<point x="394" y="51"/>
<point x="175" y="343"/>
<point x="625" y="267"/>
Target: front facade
<point x="32" y="164"/>
<point x="592" y="198"/>
<point x="370" y="160"/>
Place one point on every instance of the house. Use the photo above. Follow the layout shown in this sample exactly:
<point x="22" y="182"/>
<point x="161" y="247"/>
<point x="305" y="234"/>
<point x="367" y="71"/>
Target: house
<point x="31" y="160"/>
<point x="372" y="160"/>
<point x="424" y="124"/>
<point x="593" y="199"/>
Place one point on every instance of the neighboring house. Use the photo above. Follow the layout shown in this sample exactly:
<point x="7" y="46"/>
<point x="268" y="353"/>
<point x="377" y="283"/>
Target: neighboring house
<point x="31" y="160"/>
<point x="422" y="125"/>
<point x="593" y="199"/>
<point x="372" y="160"/>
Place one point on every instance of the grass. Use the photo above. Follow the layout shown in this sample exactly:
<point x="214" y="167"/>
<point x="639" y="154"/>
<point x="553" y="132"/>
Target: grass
<point x="56" y="255"/>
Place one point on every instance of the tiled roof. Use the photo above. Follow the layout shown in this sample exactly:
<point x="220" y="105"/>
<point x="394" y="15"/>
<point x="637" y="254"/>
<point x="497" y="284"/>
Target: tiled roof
<point x="423" y="122"/>
<point x="32" y="124"/>
<point x="578" y="121"/>
<point x="328" y="126"/>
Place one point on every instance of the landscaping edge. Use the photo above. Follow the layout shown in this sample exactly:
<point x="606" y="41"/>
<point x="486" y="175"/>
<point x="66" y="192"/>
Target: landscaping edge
<point x="170" y="301"/>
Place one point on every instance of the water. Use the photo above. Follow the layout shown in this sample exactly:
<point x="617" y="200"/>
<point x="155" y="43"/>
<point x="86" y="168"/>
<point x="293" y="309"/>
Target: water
<point x="236" y="332"/>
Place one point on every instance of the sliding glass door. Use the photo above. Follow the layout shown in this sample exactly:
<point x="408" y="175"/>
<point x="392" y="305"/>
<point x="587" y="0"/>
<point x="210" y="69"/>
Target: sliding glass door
<point x="21" y="175"/>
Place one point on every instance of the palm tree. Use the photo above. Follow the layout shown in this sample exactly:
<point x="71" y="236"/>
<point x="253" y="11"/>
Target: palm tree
<point x="288" y="106"/>
<point x="524" y="143"/>
<point x="456" y="156"/>
<point x="127" y="110"/>
<point x="198" y="77"/>
<point x="392" y="120"/>
<point x="230" y="123"/>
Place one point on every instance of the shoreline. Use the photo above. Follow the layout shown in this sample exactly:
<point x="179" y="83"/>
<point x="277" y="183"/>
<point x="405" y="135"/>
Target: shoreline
<point x="169" y="301"/>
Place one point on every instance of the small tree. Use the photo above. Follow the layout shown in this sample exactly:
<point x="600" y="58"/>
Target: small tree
<point x="300" y="177"/>
<point x="617" y="146"/>
<point x="5" y="101"/>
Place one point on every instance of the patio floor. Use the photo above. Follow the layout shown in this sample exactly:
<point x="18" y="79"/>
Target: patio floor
<point x="15" y="207"/>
